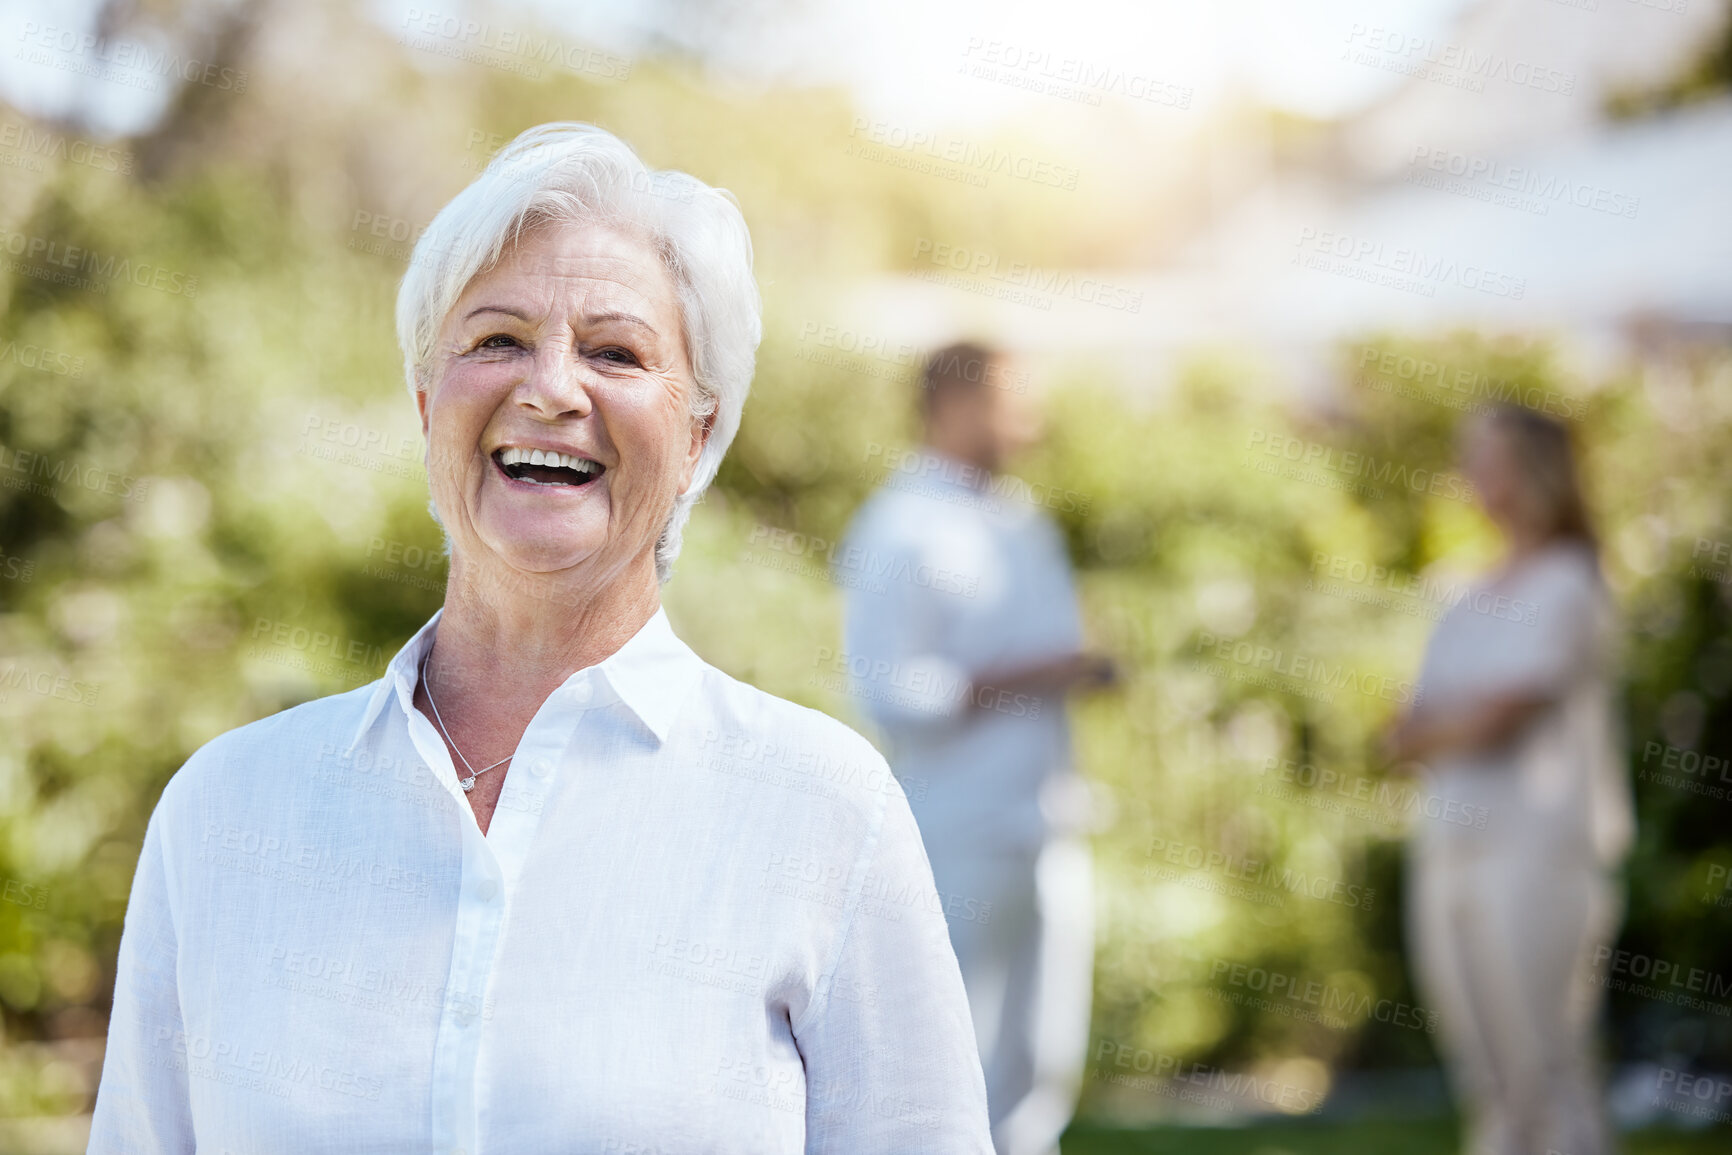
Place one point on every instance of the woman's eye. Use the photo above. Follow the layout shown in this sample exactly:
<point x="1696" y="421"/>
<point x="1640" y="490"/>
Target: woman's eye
<point x="497" y="341"/>
<point x="618" y="356"/>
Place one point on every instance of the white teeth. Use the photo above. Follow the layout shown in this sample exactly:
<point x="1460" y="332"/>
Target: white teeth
<point x="514" y="456"/>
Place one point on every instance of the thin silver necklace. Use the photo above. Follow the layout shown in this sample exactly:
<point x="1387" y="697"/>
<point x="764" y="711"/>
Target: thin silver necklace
<point x="468" y="783"/>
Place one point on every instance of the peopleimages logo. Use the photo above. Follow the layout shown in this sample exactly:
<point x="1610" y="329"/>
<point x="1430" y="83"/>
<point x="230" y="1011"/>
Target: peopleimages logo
<point x="482" y="42"/>
<point x="1662" y="980"/>
<point x="1335" y="1006"/>
<point x="28" y="141"/>
<point x="852" y="560"/>
<point x="919" y="465"/>
<point x="878" y="139"/>
<point x="18" y="468"/>
<point x="1453" y="64"/>
<point x="1349" y="463"/>
<point x="1304" y="668"/>
<point x="47" y="683"/>
<point x="1499" y="182"/>
<point x="1045" y="284"/>
<point x="1255" y="873"/>
<point x="1069" y="77"/>
<point x="1236" y="1088"/>
<point x="112" y="59"/>
<point x="1471" y="384"/>
<point x="1333" y="572"/>
<point x="1403" y="266"/>
<point x="918" y="686"/>
<point x="83" y="268"/>
<point x="43" y="360"/>
<point x="1719" y="556"/>
<point x="1700" y="1096"/>
<point x="1301" y="781"/>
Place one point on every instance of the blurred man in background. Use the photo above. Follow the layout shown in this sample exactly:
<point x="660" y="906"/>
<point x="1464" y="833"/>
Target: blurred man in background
<point x="963" y="636"/>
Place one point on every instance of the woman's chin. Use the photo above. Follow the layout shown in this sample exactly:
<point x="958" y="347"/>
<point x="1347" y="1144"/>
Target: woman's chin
<point x="541" y="548"/>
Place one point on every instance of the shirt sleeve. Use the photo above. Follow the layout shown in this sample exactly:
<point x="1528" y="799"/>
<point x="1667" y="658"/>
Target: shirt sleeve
<point x="142" y="1103"/>
<point x="1060" y="601"/>
<point x="891" y="1061"/>
<point x="893" y="636"/>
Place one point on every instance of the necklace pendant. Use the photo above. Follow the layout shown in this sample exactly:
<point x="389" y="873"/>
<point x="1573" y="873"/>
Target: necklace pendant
<point x="468" y="784"/>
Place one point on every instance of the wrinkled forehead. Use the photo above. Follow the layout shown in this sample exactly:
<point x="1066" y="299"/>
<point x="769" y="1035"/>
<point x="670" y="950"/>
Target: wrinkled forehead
<point x="551" y="264"/>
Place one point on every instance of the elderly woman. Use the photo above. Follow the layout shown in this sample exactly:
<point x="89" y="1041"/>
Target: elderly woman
<point x="552" y="884"/>
<point x="1511" y="891"/>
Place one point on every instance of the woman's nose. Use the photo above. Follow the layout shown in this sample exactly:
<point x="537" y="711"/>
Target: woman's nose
<point x="555" y="385"/>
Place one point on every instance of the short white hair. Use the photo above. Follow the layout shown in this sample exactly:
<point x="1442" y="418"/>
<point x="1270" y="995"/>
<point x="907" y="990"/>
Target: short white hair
<point x="578" y="173"/>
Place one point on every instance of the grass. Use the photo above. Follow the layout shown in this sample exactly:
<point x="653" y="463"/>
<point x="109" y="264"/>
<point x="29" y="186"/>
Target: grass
<point x="1429" y="1137"/>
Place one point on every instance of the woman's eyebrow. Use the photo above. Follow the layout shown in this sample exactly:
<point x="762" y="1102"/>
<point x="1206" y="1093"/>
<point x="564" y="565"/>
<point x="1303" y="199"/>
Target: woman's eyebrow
<point x="476" y="312"/>
<point x="589" y="318"/>
<point x="630" y="318"/>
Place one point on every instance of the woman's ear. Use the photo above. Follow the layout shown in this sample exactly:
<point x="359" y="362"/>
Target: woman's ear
<point x="702" y="427"/>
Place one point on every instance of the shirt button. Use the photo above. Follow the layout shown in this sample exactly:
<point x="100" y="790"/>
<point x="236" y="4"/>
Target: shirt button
<point x="541" y="767"/>
<point x="486" y="889"/>
<point x="464" y="1018"/>
<point x="581" y="693"/>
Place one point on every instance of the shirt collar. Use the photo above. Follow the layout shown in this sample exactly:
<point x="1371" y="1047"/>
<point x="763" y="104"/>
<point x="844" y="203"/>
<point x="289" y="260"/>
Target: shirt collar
<point x="651" y="674"/>
<point x="399" y="677"/>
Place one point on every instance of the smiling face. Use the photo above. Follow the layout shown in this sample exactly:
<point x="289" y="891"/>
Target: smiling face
<point x="558" y="414"/>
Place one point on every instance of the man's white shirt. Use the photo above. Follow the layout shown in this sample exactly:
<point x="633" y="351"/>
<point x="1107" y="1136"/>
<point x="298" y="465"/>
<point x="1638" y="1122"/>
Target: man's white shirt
<point x="701" y="920"/>
<point x="950" y="572"/>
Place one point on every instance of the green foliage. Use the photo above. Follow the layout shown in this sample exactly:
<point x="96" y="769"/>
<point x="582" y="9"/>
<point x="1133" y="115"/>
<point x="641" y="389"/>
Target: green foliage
<point x="1705" y="75"/>
<point x="1374" y="1138"/>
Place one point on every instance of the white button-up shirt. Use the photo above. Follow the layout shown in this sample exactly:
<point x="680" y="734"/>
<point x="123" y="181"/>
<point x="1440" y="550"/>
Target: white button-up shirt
<point x="950" y="572"/>
<point x="700" y="920"/>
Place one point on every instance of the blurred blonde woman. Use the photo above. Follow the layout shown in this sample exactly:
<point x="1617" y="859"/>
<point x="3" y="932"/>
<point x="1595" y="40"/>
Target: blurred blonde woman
<point x="1512" y="887"/>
